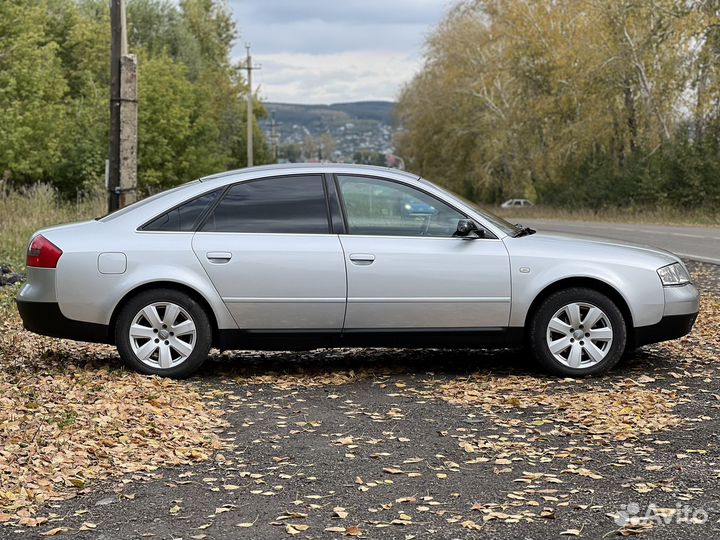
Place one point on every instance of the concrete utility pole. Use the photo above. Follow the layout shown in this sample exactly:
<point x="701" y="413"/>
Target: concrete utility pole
<point x="274" y="136"/>
<point x="122" y="156"/>
<point x="250" y="68"/>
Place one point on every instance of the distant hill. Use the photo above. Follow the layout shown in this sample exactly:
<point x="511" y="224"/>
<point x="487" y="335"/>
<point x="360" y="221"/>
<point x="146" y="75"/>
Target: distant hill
<point x="360" y="125"/>
<point x="382" y="111"/>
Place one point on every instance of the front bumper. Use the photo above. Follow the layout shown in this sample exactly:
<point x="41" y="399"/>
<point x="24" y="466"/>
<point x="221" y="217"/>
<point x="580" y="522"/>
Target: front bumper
<point x="681" y="300"/>
<point x="681" y="309"/>
<point x="45" y="318"/>
<point x="669" y="327"/>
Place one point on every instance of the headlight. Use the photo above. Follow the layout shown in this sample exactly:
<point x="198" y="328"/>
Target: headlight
<point x="673" y="274"/>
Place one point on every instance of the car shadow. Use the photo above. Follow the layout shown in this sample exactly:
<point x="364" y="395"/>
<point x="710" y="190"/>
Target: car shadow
<point x="382" y="362"/>
<point x="369" y="361"/>
<point x="351" y="363"/>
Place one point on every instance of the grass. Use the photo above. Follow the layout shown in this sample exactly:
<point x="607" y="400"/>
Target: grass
<point x="658" y="215"/>
<point x="22" y="212"/>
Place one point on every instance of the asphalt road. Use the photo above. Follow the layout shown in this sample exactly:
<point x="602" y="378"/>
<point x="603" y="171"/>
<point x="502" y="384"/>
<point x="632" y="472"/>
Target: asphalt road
<point x="696" y="243"/>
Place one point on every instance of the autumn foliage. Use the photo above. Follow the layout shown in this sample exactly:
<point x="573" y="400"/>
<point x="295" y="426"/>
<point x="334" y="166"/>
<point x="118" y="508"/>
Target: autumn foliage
<point x="594" y="103"/>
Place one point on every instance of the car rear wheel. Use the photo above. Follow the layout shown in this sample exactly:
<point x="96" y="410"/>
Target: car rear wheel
<point x="163" y="332"/>
<point x="578" y="332"/>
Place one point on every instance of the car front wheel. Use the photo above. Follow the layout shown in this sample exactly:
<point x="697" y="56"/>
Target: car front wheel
<point x="578" y="331"/>
<point x="163" y="332"/>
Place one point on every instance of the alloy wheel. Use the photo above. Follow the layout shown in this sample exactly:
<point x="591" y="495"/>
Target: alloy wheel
<point x="579" y="335"/>
<point x="162" y="335"/>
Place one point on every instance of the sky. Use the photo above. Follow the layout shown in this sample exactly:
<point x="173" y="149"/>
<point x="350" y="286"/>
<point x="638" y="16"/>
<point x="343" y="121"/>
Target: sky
<point x="325" y="51"/>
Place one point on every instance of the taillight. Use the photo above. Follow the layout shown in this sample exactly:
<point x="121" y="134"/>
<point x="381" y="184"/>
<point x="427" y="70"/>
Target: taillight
<point x="42" y="253"/>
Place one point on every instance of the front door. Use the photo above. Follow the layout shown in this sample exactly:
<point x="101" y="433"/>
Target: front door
<point x="406" y="270"/>
<point x="268" y="250"/>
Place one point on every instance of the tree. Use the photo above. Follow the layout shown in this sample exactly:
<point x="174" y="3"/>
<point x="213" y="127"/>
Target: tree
<point x="565" y="101"/>
<point x="291" y="152"/>
<point x="367" y="157"/>
<point x="33" y="117"/>
<point x="54" y="79"/>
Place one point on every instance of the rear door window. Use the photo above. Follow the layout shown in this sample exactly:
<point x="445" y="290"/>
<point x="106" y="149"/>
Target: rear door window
<point x="283" y="204"/>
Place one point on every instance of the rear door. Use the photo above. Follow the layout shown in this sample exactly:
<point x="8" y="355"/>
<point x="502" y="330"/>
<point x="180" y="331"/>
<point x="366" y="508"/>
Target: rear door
<point x="268" y="249"/>
<point x="406" y="270"/>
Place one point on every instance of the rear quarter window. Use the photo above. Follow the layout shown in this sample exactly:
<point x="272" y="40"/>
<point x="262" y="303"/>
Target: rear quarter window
<point x="183" y="218"/>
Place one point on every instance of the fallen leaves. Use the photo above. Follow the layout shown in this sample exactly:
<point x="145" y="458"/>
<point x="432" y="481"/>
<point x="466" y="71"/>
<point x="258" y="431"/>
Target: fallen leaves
<point x="69" y="417"/>
<point x="295" y="529"/>
<point x="623" y="411"/>
<point x="345" y="531"/>
<point x="470" y="524"/>
<point x="340" y="512"/>
<point x="55" y="531"/>
<point x="635" y="528"/>
<point x="549" y="446"/>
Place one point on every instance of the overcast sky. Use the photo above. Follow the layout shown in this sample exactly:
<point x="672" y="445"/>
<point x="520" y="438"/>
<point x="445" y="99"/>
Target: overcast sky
<point x="330" y="51"/>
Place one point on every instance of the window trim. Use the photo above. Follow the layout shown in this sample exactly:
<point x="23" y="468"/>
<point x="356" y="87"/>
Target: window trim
<point x="228" y="187"/>
<point x="333" y="191"/>
<point x="201" y="220"/>
<point x="424" y="192"/>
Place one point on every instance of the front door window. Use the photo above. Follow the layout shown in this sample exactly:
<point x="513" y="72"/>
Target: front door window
<point x="385" y="208"/>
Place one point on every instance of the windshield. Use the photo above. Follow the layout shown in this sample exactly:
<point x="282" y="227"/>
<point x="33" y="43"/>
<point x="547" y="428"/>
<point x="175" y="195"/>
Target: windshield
<point x="142" y="202"/>
<point x="502" y="224"/>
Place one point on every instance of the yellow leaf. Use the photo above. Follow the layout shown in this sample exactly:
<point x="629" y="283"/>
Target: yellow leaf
<point x="296" y="528"/>
<point x="55" y="531"/>
<point x="340" y="512"/>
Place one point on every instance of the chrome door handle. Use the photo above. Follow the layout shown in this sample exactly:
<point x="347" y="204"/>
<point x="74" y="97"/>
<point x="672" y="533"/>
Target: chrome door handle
<point x="362" y="259"/>
<point x="219" y="256"/>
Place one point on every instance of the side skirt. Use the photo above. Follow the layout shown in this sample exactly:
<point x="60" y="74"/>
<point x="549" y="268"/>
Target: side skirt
<point x="421" y="338"/>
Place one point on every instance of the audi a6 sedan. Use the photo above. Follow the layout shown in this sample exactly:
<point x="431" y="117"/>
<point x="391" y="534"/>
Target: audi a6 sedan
<point x="303" y="257"/>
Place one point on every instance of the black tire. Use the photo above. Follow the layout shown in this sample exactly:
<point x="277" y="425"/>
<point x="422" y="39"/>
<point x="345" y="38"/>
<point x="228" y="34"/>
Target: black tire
<point x="537" y="331"/>
<point x="201" y="344"/>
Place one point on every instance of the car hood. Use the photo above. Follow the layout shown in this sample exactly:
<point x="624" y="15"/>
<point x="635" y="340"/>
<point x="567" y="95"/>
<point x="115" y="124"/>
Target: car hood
<point x="590" y="248"/>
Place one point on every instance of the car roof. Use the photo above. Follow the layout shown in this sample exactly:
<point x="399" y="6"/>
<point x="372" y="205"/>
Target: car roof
<point x="142" y="211"/>
<point x="293" y="168"/>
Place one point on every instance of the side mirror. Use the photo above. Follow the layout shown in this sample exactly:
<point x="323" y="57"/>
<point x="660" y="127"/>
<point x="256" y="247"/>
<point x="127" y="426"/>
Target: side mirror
<point x="466" y="228"/>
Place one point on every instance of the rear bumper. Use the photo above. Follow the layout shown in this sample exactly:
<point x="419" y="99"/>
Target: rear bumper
<point x="669" y="327"/>
<point x="45" y="318"/>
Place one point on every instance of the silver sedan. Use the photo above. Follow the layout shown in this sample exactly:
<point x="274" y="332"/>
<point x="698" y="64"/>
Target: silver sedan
<point x="307" y="256"/>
